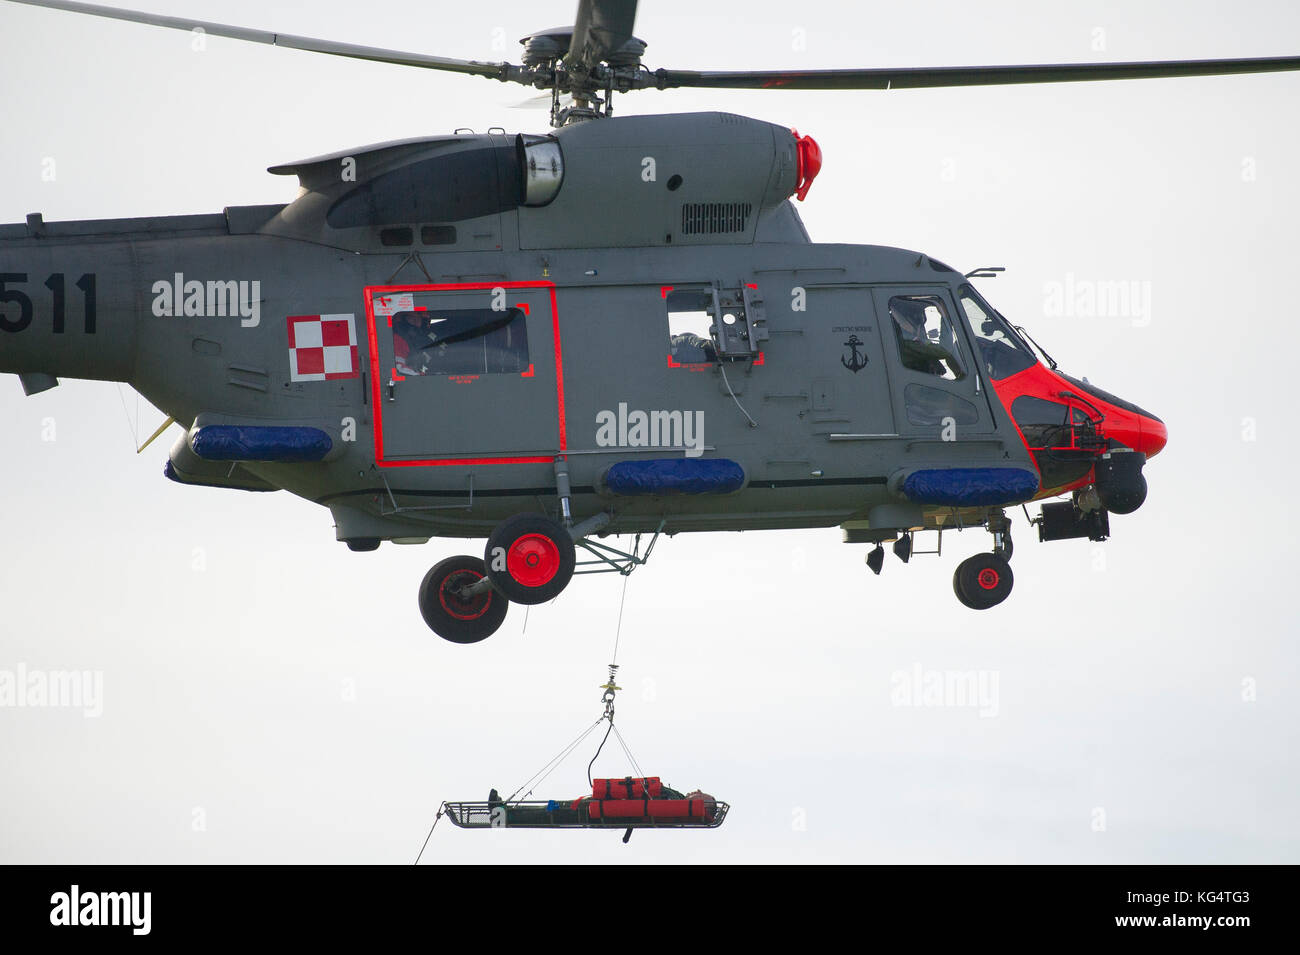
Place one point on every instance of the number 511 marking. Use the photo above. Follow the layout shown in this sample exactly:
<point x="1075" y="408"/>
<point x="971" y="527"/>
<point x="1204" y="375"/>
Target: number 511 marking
<point x="55" y="283"/>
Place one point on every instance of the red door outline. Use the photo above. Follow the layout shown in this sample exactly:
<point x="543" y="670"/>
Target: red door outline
<point x="377" y="388"/>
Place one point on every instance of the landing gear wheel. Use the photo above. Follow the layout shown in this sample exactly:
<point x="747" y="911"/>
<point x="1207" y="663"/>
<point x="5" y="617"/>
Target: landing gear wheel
<point x="453" y="616"/>
<point x="530" y="558"/>
<point x="956" y="585"/>
<point x="982" y="581"/>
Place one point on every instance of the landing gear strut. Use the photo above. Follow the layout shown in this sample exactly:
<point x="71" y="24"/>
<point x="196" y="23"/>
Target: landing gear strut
<point x="999" y="525"/>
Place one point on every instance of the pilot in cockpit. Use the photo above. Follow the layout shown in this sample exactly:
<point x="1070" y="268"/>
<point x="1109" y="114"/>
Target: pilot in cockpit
<point x="916" y="349"/>
<point x="410" y="343"/>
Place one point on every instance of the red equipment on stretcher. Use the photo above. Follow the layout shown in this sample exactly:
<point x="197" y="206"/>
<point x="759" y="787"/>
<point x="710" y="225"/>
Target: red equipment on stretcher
<point x="627" y="788"/>
<point x="632" y="798"/>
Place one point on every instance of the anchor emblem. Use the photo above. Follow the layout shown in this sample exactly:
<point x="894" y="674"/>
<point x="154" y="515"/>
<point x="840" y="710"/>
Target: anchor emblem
<point x="853" y="361"/>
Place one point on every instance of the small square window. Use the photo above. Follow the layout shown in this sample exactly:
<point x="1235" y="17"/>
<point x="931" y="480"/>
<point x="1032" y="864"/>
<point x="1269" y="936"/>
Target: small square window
<point x="690" y="326"/>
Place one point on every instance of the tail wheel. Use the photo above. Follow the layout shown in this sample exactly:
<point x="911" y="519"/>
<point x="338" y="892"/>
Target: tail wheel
<point x="982" y="581"/>
<point x="530" y="558"/>
<point x="452" y="614"/>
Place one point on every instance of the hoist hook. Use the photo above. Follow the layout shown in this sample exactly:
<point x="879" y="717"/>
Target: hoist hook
<point x="610" y="688"/>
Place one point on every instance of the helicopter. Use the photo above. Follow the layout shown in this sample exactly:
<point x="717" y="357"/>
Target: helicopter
<point x="419" y="340"/>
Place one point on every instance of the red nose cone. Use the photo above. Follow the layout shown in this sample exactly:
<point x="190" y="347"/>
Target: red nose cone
<point x="808" y="163"/>
<point x="1153" y="438"/>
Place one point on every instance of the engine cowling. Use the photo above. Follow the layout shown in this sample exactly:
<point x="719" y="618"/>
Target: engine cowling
<point x="685" y="179"/>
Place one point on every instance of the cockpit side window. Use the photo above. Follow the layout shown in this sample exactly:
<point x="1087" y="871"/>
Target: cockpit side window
<point x="1057" y="436"/>
<point x="1042" y="422"/>
<point x="927" y="340"/>
<point x="1001" y="351"/>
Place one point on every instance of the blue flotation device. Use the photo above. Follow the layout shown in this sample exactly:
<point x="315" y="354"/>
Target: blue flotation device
<point x="970" y="487"/>
<point x="675" y="476"/>
<point x="226" y="442"/>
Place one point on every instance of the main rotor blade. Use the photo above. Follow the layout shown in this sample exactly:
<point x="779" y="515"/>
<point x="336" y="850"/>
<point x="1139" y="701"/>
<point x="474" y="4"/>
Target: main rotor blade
<point x="599" y="28"/>
<point x="928" y="77"/>
<point x="500" y="71"/>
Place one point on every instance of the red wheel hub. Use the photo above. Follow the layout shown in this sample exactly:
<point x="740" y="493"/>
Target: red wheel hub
<point x="533" y="560"/>
<point x="457" y="606"/>
<point x="988" y="578"/>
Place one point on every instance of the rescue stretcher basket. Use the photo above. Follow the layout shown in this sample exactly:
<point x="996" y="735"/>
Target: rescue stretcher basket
<point x="587" y="813"/>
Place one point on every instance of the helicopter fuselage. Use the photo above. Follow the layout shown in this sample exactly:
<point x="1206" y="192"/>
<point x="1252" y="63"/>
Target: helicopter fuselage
<point x="428" y="366"/>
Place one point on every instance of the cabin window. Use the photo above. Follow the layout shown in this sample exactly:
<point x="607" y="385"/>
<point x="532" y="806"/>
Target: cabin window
<point x="438" y="235"/>
<point x="470" y="341"/>
<point x="691" y="326"/>
<point x="398" y="236"/>
<point x="707" y="325"/>
<point x="1001" y="351"/>
<point x="927" y="339"/>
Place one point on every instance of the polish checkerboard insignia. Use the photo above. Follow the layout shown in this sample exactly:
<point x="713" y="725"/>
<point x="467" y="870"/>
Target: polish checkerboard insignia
<point x="322" y="347"/>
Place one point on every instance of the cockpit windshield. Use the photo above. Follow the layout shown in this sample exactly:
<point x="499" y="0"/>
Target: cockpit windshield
<point x="1002" y="352"/>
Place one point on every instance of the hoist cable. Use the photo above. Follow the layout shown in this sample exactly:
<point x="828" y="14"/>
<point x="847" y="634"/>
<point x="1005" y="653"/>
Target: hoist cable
<point x="555" y="761"/>
<point x="133" y="428"/>
<point x="627" y="754"/>
<point x="551" y="764"/>
<point x="626" y="749"/>
<point x="558" y="763"/>
<point x="598" y="749"/>
<point x="426" y="838"/>
<point x="618" y="630"/>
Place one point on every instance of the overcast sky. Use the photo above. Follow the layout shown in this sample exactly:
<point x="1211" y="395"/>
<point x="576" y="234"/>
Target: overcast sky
<point x="270" y="696"/>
